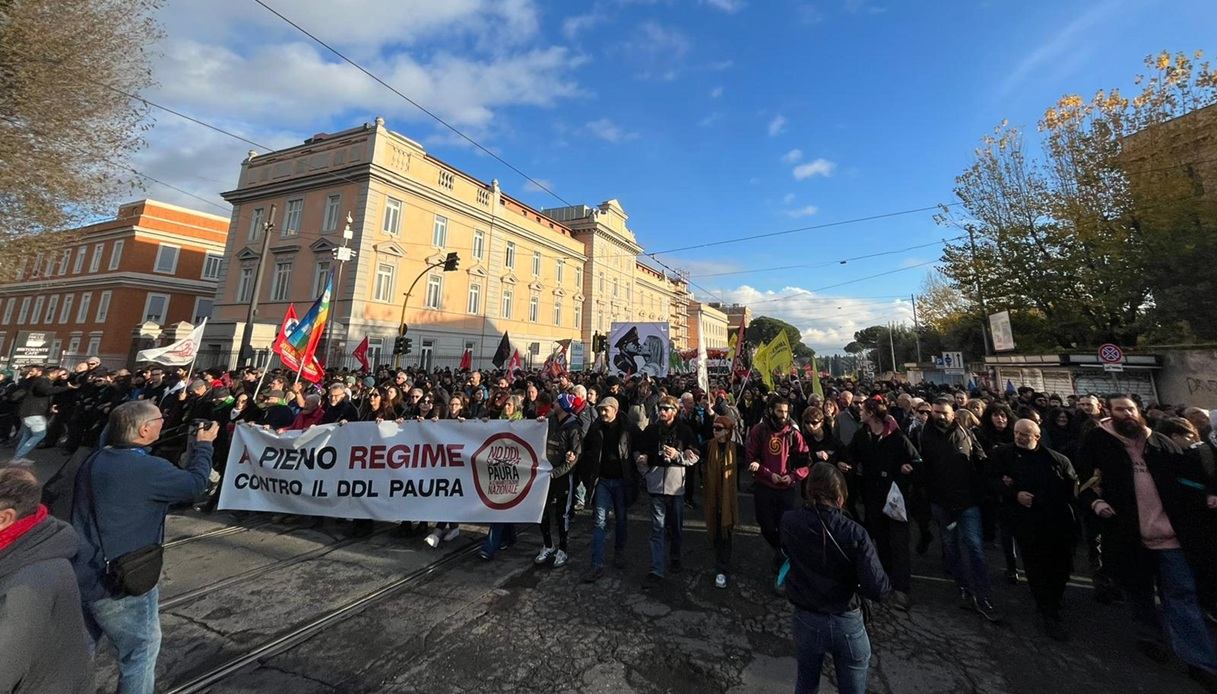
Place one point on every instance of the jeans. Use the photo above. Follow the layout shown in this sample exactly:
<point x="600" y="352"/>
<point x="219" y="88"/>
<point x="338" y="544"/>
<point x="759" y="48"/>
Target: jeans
<point x="133" y="625"/>
<point x="610" y="495"/>
<point x="841" y="635"/>
<point x="500" y="534"/>
<point x="963" y="550"/>
<point x="667" y="518"/>
<point x="1184" y="622"/>
<point x="33" y="430"/>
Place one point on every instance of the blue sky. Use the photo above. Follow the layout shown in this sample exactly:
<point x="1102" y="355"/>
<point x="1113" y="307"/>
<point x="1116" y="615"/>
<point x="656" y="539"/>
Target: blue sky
<point x="707" y="119"/>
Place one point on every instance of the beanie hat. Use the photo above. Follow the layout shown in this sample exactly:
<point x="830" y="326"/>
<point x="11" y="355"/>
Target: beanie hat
<point x="724" y="420"/>
<point x="571" y="404"/>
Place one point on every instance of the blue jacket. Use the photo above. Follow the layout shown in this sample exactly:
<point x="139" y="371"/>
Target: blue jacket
<point x="133" y="491"/>
<point x="822" y="577"/>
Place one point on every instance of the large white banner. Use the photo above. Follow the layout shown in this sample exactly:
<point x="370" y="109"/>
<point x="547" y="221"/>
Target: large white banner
<point x="639" y="348"/>
<point x="472" y="471"/>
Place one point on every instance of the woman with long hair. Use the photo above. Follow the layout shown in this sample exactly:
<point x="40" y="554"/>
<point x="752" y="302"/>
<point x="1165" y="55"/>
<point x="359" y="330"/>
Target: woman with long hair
<point x="503" y="535"/>
<point x="394" y="403"/>
<point x="833" y="566"/>
<point x="997" y="429"/>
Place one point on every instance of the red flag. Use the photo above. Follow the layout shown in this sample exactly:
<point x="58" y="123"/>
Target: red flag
<point x="289" y="322"/>
<point x="515" y="363"/>
<point x="466" y="360"/>
<point x="312" y="370"/>
<point x="361" y="353"/>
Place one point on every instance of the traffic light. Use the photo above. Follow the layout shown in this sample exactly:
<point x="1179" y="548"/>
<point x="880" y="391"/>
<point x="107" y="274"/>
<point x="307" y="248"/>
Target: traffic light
<point x="399" y="345"/>
<point x="409" y="345"/>
<point x="451" y="262"/>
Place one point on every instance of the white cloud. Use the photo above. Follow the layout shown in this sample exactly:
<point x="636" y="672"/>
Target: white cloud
<point x="817" y="167"/>
<point x="788" y="198"/>
<point x="792" y="156"/>
<point x="710" y="119"/>
<point x="605" y="129"/>
<point x="656" y="51"/>
<point x="777" y="125"/>
<point x="805" y="211"/>
<point x="827" y="323"/>
<point x="863" y="6"/>
<point x="578" y="24"/>
<point x="716" y="92"/>
<point x="531" y="187"/>
<point x="1059" y="53"/>
<point x="728" y="6"/>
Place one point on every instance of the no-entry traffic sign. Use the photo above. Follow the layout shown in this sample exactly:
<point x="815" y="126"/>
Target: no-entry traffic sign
<point x="1110" y="353"/>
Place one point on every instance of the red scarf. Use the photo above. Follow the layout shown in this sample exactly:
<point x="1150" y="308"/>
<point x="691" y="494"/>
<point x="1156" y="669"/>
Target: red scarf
<point x="10" y="534"/>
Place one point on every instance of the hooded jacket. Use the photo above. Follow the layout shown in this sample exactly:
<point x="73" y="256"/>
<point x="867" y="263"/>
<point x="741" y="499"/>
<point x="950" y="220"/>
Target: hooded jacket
<point x="42" y="632"/>
<point x="780" y="452"/>
<point x="564" y="436"/>
<point x="952" y="459"/>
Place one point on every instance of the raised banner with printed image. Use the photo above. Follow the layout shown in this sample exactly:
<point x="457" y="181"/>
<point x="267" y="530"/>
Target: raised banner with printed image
<point x="466" y="472"/>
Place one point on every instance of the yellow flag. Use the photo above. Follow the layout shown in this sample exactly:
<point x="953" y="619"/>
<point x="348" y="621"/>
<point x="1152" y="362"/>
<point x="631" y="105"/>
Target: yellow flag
<point x="731" y="349"/>
<point x="816" y="387"/>
<point x="760" y="362"/>
<point x="779" y="356"/>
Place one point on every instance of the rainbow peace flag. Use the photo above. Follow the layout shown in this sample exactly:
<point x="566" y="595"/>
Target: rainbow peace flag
<point x="301" y="342"/>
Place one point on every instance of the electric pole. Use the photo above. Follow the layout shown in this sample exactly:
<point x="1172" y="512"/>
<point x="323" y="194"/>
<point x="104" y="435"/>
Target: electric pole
<point x="246" y="353"/>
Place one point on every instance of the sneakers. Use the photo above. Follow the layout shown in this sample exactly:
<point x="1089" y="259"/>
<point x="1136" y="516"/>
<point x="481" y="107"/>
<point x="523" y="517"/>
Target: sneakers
<point x="433" y="539"/>
<point x="966" y="600"/>
<point x="986" y="609"/>
<point x="1054" y="628"/>
<point x="594" y="574"/>
<point x="544" y="556"/>
<point x="652" y="580"/>
<point x="776" y="564"/>
<point x="720" y="581"/>
<point x="452" y="534"/>
<point x="901" y="601"/>
<point x="560" y="559"/>
<point x="1012" y="577"/>
<point x="486" y="556"/>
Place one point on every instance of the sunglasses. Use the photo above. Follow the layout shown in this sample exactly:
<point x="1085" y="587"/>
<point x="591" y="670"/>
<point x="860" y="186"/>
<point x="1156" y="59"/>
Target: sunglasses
<point x="667" y="407"/>
<point x="719" y="428"/>
<point x="923" y="411"/>
<point x="815" y="421"/>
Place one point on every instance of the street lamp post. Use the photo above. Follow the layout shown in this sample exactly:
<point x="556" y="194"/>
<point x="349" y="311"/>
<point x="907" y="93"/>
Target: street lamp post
<point x="341" y="255"/>
<point x="449" y="263"/>
<point x="246" y="352"/>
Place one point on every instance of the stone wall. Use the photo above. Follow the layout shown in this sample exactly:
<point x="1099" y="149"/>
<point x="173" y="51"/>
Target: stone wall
<point x="1188" y="375"/>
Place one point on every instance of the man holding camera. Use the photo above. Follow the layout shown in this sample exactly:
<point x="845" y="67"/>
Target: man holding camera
<point x="667" y="449"/>
<point x="122" y="495"/>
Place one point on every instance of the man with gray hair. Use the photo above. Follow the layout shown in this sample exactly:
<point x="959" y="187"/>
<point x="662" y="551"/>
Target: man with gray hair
<point x="122" y="495"/>
<point x="41" y="632"/>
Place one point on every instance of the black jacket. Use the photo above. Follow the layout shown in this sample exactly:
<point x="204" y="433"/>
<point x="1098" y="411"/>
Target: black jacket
<point x="952" y="467"/>
<point x="564" y="437"/>
<point x="36" y="402"/>
<point x="878" y="460"/>
<point x="593" y="444"/>
<point x="42" y="632"/>
<point x="822" y="577"/>
<point x="1048" y="476"/>
<point x="1178" y="479"/>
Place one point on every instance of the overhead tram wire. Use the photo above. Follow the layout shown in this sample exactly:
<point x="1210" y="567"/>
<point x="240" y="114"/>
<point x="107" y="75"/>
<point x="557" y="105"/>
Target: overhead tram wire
<point x="842" y="261"/>
<point x="414" y="103"/>
<point x="808" y="293"/>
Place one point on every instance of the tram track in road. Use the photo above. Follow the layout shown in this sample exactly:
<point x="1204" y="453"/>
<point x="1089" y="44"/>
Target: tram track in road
<point x="218" y="532"/>
<point x="287" y="640"/>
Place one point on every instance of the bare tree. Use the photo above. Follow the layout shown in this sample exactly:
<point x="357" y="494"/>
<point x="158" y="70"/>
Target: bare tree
<point x="67" y="124"/>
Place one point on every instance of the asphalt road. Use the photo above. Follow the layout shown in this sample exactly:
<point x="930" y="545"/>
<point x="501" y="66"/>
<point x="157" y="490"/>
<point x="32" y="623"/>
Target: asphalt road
<point x="261" y="604"/>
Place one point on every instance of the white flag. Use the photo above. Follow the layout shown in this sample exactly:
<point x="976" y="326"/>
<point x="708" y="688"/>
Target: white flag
<point x="180" y="353"/>
<point x="703" y="372"/>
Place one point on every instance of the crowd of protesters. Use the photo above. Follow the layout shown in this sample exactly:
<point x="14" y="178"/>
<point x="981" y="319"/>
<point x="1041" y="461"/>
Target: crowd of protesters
<point x="839" y="483"/>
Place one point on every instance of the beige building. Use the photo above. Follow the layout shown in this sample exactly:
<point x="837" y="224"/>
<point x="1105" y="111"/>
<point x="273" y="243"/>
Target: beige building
<point x="519" y="271"/>
<point x="735" y="314"/>
<point x="707" y="324"/>
<point x="618" y="286"/>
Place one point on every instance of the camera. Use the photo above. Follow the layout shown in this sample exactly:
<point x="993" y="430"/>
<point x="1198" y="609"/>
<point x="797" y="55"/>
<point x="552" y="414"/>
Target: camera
<point x="197" y="425"/>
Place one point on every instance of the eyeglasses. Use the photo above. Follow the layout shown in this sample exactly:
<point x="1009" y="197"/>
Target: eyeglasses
<point x="814" y="421"/>
<point x="154" y="419"/>
<point x="667" y="407"/>
<point x="717" y="428"/>
<point x="923" y="411"/>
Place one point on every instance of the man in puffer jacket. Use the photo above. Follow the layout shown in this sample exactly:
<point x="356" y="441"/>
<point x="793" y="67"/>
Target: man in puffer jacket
<point x="42" y="632"/>
<point x="563" y="445"/>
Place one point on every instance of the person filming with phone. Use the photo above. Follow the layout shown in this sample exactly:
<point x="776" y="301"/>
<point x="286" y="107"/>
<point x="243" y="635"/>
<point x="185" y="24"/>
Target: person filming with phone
<point x="122" y="494"/>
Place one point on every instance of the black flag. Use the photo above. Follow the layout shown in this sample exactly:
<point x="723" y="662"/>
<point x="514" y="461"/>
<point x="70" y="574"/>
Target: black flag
<point x="503" y="353"/>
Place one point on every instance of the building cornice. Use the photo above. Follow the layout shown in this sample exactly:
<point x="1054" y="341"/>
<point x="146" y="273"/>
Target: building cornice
<point x="134" y="280"/>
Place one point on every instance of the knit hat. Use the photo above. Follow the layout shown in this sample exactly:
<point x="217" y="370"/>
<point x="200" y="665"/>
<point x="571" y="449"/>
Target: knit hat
<point x="279" y="417"/>
<point x="571" y="404"/>
<point x="725" y="420"/>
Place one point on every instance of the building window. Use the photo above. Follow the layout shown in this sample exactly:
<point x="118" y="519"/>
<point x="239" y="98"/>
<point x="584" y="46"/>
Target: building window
<point x="255" y="224"/>
<point x="103" y="307"/>
<point x="82" y="313"/>
<point x="166" y="259"/>
<point x="245" y="284"/>
<point x="446" y="179"/>
<point x="614" y="286"/>
<point x="37" y="266"/>
<point x="74" y="345"/>
<point x="510" y="258"/>
<point x="479" y="244"/>
<point x="36" y="314"/>
<point x="50" y="265"/>
<point x="392" y="216"/>
<point x="507" y="303"/>
<point x="383" y="289"/>
<point x="536" y="263"/>
<point x="80" y="259"/>
<point x="475" y="299"/>
<point x="435" y="291"/>
<point x="439" y="233"/>
<point x="116" y="254"/>
<point x="376" y="347"/>
<point x="483" y="197"/>
<point x="534" y="309"/>
<point x="202" y="309"/>
<point x="332" y="204"/>
<point x="557" y="312"/>
<point x="156" y="308"/>
<point x="291" y="220"/>
<point x="320" y="276"/>
<point x="94" y="262"/>
<point x="64" y="259"/>
<point x="94" y="345"/>
<point x="211" y="266"/>
<point x="426" y="353"/>
<point x="579" y="277"/>
<point x="65" y="313"/>
<point x="281" y="281"/>
<point x="24" y="313"/>
<point x="578" y="317"/>
<point x="601" y="282"/>
<point x="51" y="304"/>
<point x="559" y="270"/>
<point x="8" y="310"/>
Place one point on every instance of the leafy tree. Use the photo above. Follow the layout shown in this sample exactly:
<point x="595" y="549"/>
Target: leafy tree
<point x="66" y="127"/>
<point x="763" y="329"/>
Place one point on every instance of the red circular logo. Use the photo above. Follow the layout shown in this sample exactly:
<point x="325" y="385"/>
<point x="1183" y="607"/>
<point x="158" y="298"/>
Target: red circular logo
<point x="1110" y="354"/>
<point x="504" y="469"/>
